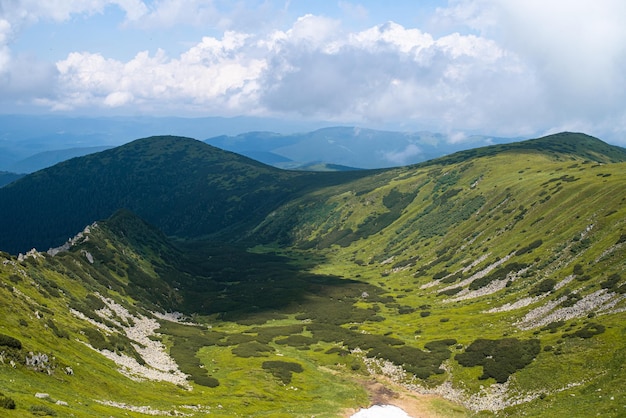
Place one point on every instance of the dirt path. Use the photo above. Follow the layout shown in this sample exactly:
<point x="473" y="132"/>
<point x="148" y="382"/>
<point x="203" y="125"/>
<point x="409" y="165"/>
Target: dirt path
<point x="385" y="392"/>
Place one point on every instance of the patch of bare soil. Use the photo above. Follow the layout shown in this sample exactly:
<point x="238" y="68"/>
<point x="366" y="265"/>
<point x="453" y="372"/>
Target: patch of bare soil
<point x="388" y="393"/>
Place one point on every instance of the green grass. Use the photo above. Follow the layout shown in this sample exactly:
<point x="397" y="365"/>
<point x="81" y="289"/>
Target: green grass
<point x="306" y="294"/>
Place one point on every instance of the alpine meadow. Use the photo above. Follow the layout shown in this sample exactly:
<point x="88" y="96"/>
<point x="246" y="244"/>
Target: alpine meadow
<point x="170" y="277"/>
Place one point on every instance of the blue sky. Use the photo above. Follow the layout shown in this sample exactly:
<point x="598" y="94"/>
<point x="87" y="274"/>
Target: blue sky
<point x="497" y="67"/>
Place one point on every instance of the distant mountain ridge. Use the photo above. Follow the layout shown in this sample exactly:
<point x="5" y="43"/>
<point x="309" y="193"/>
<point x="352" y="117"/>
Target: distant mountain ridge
<point x="347" y="146"/>
<point x="6" y="177"/>
<point x="49" y="158"/>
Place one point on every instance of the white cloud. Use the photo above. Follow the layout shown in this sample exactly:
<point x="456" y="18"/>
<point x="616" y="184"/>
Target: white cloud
<point x="211" y="75"/>
<point x="314" y="69"/>
<point x="168" y="13"/>
<point x="574" y="51"/>
<point x="500" y="66"/>
<point x="404" y="156"/>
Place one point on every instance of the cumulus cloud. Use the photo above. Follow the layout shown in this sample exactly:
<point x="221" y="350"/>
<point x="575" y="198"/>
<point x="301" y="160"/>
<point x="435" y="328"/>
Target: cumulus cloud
<point x="315" y="69"/>
<point x="496" y="66"/>
<point x="212" y="76"/>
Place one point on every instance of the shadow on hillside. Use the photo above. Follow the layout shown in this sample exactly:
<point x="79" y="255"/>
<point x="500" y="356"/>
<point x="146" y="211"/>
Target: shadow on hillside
<point x="247" y="287"/>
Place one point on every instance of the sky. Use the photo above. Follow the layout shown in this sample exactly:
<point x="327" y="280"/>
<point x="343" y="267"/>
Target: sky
<point x="496" y="67"/>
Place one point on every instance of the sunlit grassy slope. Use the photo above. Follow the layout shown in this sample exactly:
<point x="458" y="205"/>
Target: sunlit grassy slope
<point x="494" y="278"/>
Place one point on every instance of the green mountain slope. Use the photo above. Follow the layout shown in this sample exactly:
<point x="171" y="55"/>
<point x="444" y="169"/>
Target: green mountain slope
<point x="514" y="242"/>
<point x="474" y="278"/>
<point x="183" y="186"/>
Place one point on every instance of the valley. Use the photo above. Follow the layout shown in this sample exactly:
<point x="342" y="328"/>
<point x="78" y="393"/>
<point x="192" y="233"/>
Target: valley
<point x="491" y="281"/>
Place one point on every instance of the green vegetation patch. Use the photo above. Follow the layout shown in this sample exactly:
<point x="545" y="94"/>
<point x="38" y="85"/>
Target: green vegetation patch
<point x="589" y="330"/>
<point x="613" y="283"/>
<point x="282" y="370"/>
<point x="6" y="402"/>
<point x="252" y="349"/>
<point x="499" y="358"/>
<point x="499" y="274"/>
<point x="542" y="287"/>
<point x="529" y="247"/>
<point x="10" y="342"/>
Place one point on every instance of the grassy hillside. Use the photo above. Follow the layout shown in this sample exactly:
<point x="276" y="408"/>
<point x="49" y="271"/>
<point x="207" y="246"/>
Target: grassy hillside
<point x="514" y="242"/>
<point x="494" y="280"/>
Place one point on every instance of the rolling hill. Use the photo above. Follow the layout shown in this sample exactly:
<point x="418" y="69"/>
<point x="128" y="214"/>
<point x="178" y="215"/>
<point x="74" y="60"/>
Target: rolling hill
<point x="492" y="279"/>
<point x="181" y="185"/>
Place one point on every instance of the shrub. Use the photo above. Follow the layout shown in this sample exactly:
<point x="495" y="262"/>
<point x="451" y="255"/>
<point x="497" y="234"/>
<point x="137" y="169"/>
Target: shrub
<point x="450" y="292"/>
<point x="299" y="341"/>
<point x="543" y="286"/>
<point x="499" y="274"/>
<point x="15" y="278"/>
<point x="61" y="333"/>
<point x="42" y="410"/>
<point x="452" y="278"/>
<point x="6" y="402"/>
<point x="499" y="358"/>
<point x="439" y="345"/>
<point x="207" y="381"/>
<point x="282" y="370"/>
<point x="588" y="331"/>
<point x="424" y="314"/>
<point x="611" y="283"/>
<point x="553" y="326"/>
<point x="578" y="269"/>
<point x="337" y="350"/>
<point x="252" y="349"/>
<point x="571" y="300"/>
<point x="529" y="247"/>
<point x="10" y="342"/>
<point x="96" y="339"/>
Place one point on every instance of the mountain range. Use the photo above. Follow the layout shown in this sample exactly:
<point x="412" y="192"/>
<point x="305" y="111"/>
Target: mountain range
<point x="201" y="282"/>
<point x="29" y="143"/>
<point x="347" y="146"/>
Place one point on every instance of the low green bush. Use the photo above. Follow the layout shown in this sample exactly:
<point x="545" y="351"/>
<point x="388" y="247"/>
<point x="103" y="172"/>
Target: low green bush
<point x="282" y="370"/>
<point x="8" y="341"/>
<point x="252" y="349"/>
<point x="6" y="402"/>
<point x="61" y="333"/>
<point x="450" y="292"/>
<point x="96" y="339"/>
<point x="553" y="326"/>
<point x="42" y="410"/>
<point x="572" y="299"/>
<point x="588" y="331"/>
<point x="499" y="358"/>
<point x="543" y="286"/>
<point x="299" y="341"/>
<point x="499" y="274"/>
<point x="611" y="283"/>
<point x="529" y="247"/>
